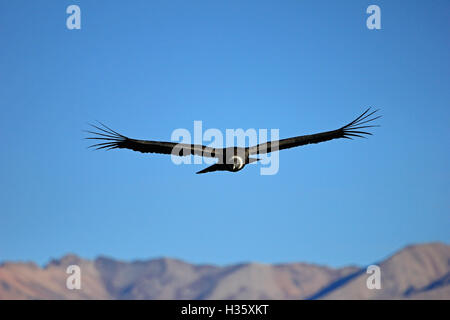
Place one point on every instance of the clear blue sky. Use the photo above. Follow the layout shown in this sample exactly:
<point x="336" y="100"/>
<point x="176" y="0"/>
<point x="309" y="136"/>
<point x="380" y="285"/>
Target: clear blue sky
<point x="146" y="68"/>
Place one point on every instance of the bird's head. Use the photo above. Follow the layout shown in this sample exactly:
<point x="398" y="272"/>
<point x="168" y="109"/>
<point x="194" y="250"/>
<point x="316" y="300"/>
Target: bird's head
<point x="237" y="162"/>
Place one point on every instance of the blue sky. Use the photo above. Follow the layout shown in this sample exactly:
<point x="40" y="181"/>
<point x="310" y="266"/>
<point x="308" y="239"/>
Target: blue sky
<point x="146" y="68"/>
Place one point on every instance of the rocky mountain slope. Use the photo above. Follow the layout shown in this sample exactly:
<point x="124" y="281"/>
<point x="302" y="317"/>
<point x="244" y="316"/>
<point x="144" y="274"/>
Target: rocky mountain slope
<point x="416" y="272"/>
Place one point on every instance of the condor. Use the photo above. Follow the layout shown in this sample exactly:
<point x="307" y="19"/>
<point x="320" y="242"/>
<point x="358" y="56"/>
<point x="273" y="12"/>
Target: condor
<point x="231" y="159"/>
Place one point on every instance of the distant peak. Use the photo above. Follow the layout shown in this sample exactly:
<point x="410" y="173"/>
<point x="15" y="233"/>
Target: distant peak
<point x="67" y="259"/>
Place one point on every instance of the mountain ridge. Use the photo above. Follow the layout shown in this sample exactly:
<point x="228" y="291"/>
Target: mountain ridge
<point x="420" y="271"/>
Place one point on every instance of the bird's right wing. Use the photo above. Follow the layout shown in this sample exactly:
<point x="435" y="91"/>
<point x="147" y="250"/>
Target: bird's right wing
<point x="110" y="139"/>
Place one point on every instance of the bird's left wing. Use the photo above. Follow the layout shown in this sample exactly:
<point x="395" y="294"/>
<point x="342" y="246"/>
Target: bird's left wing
<point x="353" y="129"/>
<point x="110" y="139"/>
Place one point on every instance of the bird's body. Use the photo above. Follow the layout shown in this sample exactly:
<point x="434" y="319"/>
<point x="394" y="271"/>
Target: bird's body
<point x="231" y="159"/>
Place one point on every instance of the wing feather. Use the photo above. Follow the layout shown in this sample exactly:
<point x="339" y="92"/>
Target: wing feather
<point x="109" y="139"/>
<point x="348" y="131"/>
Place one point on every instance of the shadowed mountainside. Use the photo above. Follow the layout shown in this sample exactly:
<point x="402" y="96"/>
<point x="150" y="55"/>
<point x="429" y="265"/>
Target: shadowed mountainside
<point x="416" y="272"/>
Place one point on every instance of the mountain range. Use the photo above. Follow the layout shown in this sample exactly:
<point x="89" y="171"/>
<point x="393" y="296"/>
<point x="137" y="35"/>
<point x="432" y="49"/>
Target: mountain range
<point x="415" y="272"/>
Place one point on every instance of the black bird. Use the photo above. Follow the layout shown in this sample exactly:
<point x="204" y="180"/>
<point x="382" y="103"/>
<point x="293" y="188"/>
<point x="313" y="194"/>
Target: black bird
<point x="229" y="159"/>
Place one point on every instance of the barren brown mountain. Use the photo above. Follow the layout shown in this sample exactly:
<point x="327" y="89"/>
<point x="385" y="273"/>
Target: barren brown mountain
<point x="416" y="272"/>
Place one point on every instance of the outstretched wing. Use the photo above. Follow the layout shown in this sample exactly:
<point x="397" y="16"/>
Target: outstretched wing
<point x="109" y="139"/>
<point x="348" y="131"/>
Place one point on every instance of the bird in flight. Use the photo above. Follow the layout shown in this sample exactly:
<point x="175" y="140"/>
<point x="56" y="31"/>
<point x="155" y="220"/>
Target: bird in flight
<point x="231" y="159"/>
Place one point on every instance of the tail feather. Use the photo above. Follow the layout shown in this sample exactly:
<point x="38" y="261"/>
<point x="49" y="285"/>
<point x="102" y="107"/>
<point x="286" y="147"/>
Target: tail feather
<point x="214" y="167"/>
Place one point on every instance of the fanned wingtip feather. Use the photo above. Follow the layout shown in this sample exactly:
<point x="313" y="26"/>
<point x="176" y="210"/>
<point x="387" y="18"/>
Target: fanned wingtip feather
<point x="353" y="128"/>
<point x="110" y="138"/>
